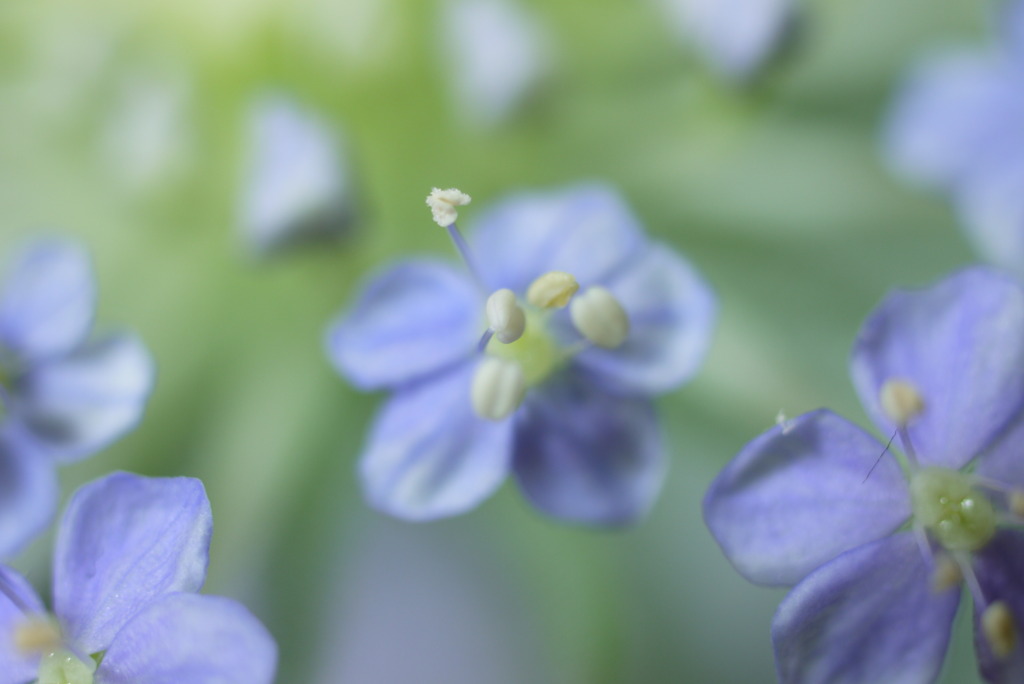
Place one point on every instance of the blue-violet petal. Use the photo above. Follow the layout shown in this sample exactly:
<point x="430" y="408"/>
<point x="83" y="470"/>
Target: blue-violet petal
<point x="412" y="319"/>
<point x="869" y="616"/>
<point x="126" y="541"/>
<point x="960" y="343"/>
<point x="800" y="494"/>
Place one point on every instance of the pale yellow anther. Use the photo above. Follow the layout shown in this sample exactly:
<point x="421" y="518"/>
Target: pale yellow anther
<point x="505" y="317"/>
<point x="600" y="318"/>
<point x="946" y="575"/>
<point x="1000" y="629"/>
<point x="1016" y="503"/>
<point x="37" y="634"/>
<point x="901" y="401"/>
<point x="443" y="205"/>
<point x="553" y="290"/>
<point x="498" y="388"/>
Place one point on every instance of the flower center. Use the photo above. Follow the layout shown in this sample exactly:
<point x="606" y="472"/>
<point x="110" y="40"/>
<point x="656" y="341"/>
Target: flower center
<point x="960" y="517"/>
<point x="519" y="350"/>
<point x="536" y="352"/>
<point x="39" y="635"/>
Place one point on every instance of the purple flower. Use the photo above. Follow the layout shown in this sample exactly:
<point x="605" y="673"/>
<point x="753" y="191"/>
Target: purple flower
<point x="63" y="394"/>
<point x="131" y="555"/>
<point x="298" y="188"/>
<point x="561" y="397"/>
<point x="735" y="37"/>
<point x="878" y="546"/>
<point x="955" y="126"/>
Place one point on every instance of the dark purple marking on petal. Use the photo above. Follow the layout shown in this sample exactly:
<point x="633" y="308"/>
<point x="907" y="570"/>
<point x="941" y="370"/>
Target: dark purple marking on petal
<point x="586" y="456"/>
<point x="429" y="455"/>
<point x="999" y="568"/>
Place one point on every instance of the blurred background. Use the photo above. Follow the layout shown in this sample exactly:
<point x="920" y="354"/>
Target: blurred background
<point x="135" y="128"/>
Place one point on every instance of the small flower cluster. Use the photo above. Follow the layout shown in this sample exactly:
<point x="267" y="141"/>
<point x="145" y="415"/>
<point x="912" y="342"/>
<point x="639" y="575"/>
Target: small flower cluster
<point x="878" y="547"/>
<point x="64" y="394"/>
<point x="131" y="551"/>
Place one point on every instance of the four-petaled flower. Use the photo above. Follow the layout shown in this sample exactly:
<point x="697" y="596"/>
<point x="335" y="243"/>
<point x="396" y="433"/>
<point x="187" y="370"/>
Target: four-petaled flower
<point x="956" y="126"/>
<point x="131" y="553"/>
<point x="878" y="552"/>
<point x="63" y="394"/>
<point x="561" y="397"/>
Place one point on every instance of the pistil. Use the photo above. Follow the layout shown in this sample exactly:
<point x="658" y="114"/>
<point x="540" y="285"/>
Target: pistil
<point x="945" y="502"/>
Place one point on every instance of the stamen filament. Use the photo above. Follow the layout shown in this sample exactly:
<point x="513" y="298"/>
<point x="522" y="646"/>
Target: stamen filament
<point x="908" y="446"/>
<point x="964" y="561"/>
<point x="467" y="256"/>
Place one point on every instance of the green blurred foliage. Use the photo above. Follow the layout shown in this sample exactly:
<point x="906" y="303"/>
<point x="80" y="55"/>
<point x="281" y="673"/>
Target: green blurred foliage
<point x="776" y="192"/>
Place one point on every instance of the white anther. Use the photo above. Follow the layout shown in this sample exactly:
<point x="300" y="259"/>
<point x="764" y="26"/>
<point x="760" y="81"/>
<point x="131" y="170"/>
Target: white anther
<point x="504" y="316"/>
<point x="946" y="575"/>
<point x="600" y="318"/>
<point x="498" y="388"/>
<point x="901" y="401"/>
<point x="443" y="205"/>
<point x="553" y="290"/>
<point x="37" y="634"/>
<point x="1000" y="629"/>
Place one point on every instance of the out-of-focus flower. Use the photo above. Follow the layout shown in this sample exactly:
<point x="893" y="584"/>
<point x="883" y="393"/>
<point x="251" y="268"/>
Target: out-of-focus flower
<point x="955" y="126"/>
<point x="878" y="552"/>
<point x="65" y="395"/>
<point x="735" y="37"/>
<point x="131" y="554"/>
<point x="495" y="54"/>
<point x="147" y="137"/>
<point x="452" y="619"/>
<point x="298" y="187"/>
<point x="557" y="391"/>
